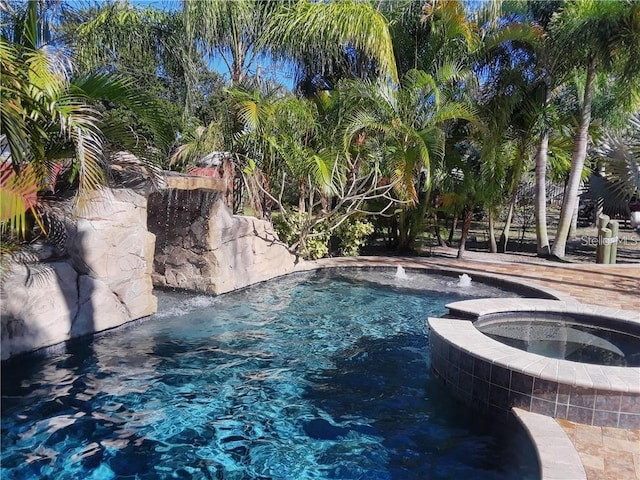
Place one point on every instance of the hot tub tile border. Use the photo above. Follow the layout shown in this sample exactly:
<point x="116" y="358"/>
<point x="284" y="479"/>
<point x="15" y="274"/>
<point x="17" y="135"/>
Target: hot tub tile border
<point x="558" y="388"/>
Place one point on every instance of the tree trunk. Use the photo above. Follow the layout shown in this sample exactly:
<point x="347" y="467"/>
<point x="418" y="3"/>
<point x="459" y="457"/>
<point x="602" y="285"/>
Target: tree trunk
<point x="302" y="196"/>
<point x="454" y="225"/>
<point x="466" y="226"/>
<point x="542" y="238"/>
<point x="574" y="220"/>
<point x="581" y="141"/>
<point x="493" y="247"/>
<point x="417" y="224"/>
<point x="238" y="55"/>
<point x="402" y="230"/>
<point x="436" y="227"/>
<point x="515" y="182"/>
<point x="504" y="237"/>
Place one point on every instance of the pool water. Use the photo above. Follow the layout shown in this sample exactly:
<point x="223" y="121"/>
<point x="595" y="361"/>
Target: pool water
<point x="567" y="339"/>
<point x="312" y="376"/>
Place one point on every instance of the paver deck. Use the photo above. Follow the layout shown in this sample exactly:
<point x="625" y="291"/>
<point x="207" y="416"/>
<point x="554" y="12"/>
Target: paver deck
<point x="606" y="453"/>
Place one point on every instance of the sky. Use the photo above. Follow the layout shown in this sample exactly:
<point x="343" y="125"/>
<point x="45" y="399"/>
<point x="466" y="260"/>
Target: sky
<point x="282" y="73"/>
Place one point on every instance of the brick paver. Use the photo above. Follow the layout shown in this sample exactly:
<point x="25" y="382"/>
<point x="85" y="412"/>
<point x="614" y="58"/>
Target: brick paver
<point x="606" y="453"/>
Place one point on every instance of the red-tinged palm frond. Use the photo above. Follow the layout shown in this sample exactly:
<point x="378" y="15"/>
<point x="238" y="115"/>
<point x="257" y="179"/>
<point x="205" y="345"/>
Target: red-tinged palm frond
<point x="18" y="195"/>
<point x="449" y="19"/>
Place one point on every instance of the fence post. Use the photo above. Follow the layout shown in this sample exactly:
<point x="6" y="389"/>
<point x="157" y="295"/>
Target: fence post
<point x="614" y="227"/>
<point x="603" y="220"/>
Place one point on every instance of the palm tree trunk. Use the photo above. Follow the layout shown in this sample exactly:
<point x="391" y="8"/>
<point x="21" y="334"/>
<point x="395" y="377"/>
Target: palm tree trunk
<point x="302" y="196"/>
<point x="515" y="182"/>
<point x="504" y="237"/>
<point x="466" y="226"/>
<point x="454" y="225"/>
<point x="493" y="247"/>
<point x="417" y="225"/>
<point x="436" y="227"/>
<point x="574" y="221"/>
<point x="238" y="53"/>
<point x="581" y="141"/>
<point x="542" y="238"/>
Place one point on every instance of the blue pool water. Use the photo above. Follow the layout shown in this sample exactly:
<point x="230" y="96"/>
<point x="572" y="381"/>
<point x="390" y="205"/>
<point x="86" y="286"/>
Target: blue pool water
<point x="313" y="376"/>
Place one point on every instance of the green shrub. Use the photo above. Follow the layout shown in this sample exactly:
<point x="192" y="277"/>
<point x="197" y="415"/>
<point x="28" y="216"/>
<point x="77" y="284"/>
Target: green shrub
<point x="353" y="234"/>
<point x="350" y="235"/>
<point x="288" y="230"/>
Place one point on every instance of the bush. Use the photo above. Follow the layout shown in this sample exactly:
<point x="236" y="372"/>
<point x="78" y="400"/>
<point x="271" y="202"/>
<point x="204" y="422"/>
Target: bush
<point x="353" y="235"/>
<point x="288" y="230"/>
<point x="350" y="235"/>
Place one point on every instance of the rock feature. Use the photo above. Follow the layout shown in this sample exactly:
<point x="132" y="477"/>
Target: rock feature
<point x="102" y="280"/>
<point x="201" y="246"/>
<point x="112" y="245"/>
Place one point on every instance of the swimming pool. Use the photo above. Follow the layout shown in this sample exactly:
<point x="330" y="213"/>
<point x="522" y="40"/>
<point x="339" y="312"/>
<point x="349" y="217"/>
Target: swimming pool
<point x="313" y="376"/>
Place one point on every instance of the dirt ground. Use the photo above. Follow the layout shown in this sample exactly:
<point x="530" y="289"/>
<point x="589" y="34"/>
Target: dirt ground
<point x="522" y="244"/>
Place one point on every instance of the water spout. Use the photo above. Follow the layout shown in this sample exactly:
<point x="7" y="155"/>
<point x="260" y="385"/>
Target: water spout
<point x="400" y="273"/>
<point x="464" y="280"/>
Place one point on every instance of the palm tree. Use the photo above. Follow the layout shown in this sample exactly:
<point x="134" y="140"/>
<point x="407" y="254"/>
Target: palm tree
<point x="426" y="34"/>
<point x="474" y="177"/>
<point x="507" y="96"/>
<point x="47" y="116"/>
<point x="283" y="137"/>
<point x="409" y="122"/>
<point x="147" y="44"/>
<point x="548" y="75"/>
<point x="242" y="31"/>
<point x="600" y="38"/>
<point x="619" y="156"/>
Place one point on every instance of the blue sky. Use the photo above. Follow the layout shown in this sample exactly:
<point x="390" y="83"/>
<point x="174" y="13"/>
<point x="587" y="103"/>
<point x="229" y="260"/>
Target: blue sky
<point x="282" y="73"/>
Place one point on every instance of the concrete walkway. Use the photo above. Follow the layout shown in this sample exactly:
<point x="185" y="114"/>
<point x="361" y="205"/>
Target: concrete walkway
<point x="606" y="453"/>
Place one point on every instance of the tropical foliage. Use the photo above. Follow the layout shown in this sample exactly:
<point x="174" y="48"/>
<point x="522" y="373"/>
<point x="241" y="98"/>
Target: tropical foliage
<point x="619" y="157"/>
<point x="55" y="125"/>
<point x="341" y="115"/>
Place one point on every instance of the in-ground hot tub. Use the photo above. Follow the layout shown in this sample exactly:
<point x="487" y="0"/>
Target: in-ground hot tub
<point x="566" y="337"/>
<point x="602" y="388"/>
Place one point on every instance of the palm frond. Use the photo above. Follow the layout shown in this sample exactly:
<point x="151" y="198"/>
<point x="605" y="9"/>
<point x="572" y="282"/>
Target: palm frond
<point x="120" y="90"/>
<point x="90" y="160"/>
<point x="323" y="30"/>
<point x="621" y="159"/>
<point x="19" y="194"/>
<point x="322" y="171"/>
<point x="201" y="142"/>
<point x="454" y="110"/>
<point x="213" y="21"/>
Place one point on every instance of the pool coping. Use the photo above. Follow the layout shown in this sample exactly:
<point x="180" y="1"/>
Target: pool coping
<point x="557" y="456"/>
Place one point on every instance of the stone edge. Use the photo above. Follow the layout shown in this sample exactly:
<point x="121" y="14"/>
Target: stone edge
<point x="557" y="456"/>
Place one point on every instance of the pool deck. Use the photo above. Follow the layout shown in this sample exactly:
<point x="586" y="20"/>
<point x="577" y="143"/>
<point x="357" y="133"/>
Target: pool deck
<point x="606" y="453"/>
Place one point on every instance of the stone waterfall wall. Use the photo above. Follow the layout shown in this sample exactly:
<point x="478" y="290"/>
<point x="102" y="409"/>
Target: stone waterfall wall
<point x="102" y="281"/>
<point x="201" y="246"/>
<point x="104" y="277"/>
